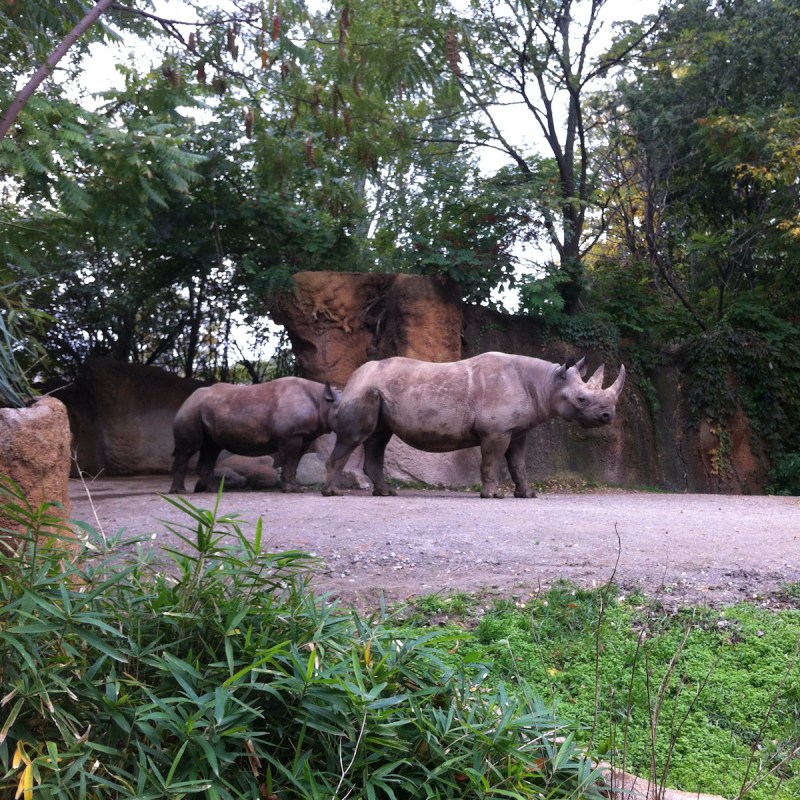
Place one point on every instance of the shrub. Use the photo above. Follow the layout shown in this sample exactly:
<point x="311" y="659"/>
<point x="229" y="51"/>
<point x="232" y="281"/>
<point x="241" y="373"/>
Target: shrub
<point x="217" y="672"/>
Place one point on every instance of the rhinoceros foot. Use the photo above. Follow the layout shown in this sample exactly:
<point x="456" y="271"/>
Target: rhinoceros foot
<point x="525" y="492"/>
<point x="496" y="493"/>
<point x="292" y="488"/>
<point x="330" y="491"/>
<point x="384" y="492"/>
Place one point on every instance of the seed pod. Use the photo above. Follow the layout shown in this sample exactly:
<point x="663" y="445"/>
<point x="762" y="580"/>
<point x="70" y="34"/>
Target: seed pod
<point x="347" y="116"/>
<point x="344" y="30"/>
<point x="276" y="28"/>
<point x="453" y="54"/>
<point x="249" y="119"/>
<point x="192" y="43"/>
<point x="201" y="73"/>
<point x="230" y="40"/>
<point x="173" y="75"/>
<point x="311" y="156"/>
<point x="264" y="58"/>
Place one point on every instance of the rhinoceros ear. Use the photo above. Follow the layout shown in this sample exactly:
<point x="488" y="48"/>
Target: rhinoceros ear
<point x="568" y="364"/>
<point x="329" y="393"/>
<point x="581" y="367"/>
<point x="596" y="381"/>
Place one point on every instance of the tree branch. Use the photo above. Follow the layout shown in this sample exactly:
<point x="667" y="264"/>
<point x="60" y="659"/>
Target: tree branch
<point x="21" y="100"/>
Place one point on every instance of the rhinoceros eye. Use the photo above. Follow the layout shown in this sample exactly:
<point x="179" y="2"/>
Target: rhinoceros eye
<point x="582" y="400"/>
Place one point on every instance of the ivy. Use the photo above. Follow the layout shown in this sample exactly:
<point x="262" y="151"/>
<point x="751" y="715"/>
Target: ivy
<point x="752" y="361"/>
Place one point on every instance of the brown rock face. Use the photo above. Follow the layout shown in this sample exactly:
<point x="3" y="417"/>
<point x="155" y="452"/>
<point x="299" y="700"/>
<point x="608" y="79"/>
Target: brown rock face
<point x="121" y="417"/>
<point x="35" y="453"/>
<point x="336" y="321"/>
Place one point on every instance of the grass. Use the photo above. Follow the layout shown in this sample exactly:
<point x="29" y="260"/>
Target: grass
<point x="223" y="676"/>
<point x="708" y="700"/>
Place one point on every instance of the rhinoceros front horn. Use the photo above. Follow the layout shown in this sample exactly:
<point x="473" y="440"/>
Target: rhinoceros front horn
<point x="616" y="387"/>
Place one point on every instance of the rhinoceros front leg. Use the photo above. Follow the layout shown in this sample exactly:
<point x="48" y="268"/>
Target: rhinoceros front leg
<point x="492" y="450"/>
<point x="515" y="458"/>
<point x="374" y="449"/>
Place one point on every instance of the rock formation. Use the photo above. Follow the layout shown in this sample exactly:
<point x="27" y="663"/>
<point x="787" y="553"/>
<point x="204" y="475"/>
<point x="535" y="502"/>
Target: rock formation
<point x="35" y="454"/>
<point x="122" y="414"/>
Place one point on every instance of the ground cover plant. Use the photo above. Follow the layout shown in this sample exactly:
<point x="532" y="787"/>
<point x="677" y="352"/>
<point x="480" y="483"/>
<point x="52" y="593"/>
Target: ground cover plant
<point x="215" y="672"/>
<point x="698" y="699"/>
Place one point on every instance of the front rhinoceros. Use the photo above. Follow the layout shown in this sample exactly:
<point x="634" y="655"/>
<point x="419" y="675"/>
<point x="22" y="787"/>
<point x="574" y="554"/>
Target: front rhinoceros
<point x="282" y="418"/>
<point x="491" y="400"/>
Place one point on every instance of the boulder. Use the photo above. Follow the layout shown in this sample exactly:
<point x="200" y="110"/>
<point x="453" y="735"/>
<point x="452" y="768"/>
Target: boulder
<point x="35" y="453"/>
<point x="257" y="472"/>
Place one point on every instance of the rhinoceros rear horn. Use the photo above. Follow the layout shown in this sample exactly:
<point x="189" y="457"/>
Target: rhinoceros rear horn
<point x="616" y="387"/>
<point x="596" y="381"/>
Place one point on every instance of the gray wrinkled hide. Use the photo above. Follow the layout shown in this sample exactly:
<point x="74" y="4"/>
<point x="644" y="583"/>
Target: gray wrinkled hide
<point x="282" y="417"/>
<point x="491" y="401"/>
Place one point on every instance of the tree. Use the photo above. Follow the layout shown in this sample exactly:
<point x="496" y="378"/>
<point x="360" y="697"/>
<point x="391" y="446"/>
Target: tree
<point x="539" y="59"/>
<point x="701" y="161"/>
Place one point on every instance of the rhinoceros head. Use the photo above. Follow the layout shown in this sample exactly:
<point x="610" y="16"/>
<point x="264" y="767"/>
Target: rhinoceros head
<point x="586" y="401"/>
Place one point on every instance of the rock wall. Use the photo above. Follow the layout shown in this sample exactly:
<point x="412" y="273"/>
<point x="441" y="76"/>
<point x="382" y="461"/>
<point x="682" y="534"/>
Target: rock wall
<point x="653" y="441"/>
<point x="121" y="415"/>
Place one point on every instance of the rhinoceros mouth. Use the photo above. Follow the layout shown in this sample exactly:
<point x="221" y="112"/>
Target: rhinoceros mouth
<point x="594" y="422"/>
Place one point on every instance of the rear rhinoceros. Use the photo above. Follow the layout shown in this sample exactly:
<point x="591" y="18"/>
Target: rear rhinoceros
<point x="491" y="400"/>
<point x="282" y="417"/>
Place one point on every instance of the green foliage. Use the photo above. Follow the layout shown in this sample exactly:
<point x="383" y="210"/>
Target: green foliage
<point x="751" y="362"/>
<point x="591" y="331"/>
<point x="539" y="297"/>
<point x="785" y="474"/>
<point x="702" y="700"/>
<point x="218" y="673"/>
<point x="20" y="352"/>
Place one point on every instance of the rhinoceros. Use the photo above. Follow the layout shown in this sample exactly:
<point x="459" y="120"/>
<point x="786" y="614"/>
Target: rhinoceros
<point x="281" y="417"/>
<point x="491" y="400"/>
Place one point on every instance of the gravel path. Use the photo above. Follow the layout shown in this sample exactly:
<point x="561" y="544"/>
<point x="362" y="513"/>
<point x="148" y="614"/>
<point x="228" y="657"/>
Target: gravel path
<point x="682" y="548"/>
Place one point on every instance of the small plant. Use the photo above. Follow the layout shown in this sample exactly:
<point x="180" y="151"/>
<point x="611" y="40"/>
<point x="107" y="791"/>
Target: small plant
<point x="18" y="351"/>
<point x="217" y="672"/>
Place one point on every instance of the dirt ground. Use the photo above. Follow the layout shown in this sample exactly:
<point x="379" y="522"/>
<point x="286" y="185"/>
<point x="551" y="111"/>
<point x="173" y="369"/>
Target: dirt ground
<point x="682" y="549"/>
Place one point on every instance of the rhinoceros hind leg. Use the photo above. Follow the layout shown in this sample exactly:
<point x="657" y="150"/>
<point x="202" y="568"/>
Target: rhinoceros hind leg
<point x="492" y="450"/>
<point x="374" y="449"/>
<point x="178" y="475"/>
<point x="515" y="458"/>
<point x="205" y="466"/>
<point x="356" y="421"/>
<point x="289" y="455"/>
